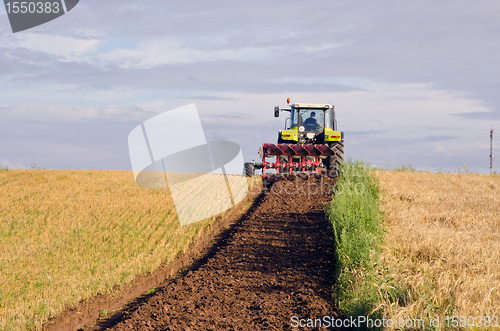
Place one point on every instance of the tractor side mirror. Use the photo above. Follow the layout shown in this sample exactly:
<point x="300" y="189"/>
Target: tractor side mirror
<point x="276" y="111"/>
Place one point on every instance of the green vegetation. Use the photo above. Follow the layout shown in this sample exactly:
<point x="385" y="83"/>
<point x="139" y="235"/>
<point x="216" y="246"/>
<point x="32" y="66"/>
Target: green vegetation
<point x="357" y="225"/>
<point x="414" y="264"/>
<point x="34" y="166"/>
<point x="403" y="168"/>
<point x="151" y="290"/>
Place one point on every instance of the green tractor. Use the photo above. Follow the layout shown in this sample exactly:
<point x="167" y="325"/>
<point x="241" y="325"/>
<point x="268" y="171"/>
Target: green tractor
<point x="308" y="143"/>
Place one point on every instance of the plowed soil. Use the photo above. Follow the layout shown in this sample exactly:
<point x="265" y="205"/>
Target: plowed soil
<point x="275" y="263"/>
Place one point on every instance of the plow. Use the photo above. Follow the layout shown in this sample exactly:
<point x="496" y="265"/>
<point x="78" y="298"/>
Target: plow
<point x="309" y="145"/>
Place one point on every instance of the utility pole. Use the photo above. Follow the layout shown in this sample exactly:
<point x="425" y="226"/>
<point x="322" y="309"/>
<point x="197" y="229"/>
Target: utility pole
<point x="491" y="149"/>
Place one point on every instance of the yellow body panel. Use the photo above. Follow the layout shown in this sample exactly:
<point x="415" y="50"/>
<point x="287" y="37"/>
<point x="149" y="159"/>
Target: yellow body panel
<point x="331" y="135"/>
<point x="291" y="134"/>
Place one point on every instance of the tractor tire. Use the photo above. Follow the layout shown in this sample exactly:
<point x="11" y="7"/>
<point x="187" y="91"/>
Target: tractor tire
<point x="335" y="160"/>
<point x="249" y="169"/>
<point x="339" y="149"/>
<point x="340" y="146"/>
<point x="332" y="163"/>
<point x="339" y="154"/>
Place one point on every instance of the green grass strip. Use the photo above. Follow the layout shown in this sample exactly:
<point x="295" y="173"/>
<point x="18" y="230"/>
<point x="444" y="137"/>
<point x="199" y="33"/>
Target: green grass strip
<point x="356" y="222"/>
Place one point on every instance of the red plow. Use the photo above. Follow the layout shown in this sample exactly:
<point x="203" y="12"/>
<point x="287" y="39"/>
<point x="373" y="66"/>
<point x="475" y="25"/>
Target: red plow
<point x="293" y="160"/>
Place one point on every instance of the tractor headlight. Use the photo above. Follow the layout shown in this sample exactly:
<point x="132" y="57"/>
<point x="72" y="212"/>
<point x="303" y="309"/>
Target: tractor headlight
<point x="301" y="129"/>
<point x="310" y="135"/>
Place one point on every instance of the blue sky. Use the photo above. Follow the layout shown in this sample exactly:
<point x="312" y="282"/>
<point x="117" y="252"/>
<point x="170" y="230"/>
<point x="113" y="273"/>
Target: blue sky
<point x="412" y="82"/>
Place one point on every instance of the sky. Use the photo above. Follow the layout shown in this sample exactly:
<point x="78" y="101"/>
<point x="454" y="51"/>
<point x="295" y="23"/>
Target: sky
<point x="413" y="82"/>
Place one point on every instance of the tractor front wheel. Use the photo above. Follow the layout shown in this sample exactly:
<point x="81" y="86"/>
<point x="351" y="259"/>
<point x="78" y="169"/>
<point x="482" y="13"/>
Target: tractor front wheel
<point x="249" y="169"/>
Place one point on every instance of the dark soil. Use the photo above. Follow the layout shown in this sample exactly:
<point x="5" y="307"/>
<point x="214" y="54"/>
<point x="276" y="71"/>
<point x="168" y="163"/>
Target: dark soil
<point x="275" y="263"/>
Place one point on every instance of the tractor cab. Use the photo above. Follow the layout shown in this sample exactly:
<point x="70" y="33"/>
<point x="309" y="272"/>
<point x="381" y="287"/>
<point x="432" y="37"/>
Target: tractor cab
<point x="313" y="119"/>
<point x="308" y="123"/>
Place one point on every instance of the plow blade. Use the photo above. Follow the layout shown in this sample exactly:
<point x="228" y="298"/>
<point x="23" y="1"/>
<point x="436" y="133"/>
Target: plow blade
<point x="312" y="150"/>
<point x="325" y="150"/>
<point x="278" y="149"/>
<point x="297" y="150"/>
<point x="286" y="150"/>
<point x="271" y="149"/>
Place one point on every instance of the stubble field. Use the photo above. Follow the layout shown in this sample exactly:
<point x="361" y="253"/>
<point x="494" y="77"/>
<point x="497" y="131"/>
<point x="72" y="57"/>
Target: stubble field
<point x="442" y="245"/>
<point x="66" y="236"/>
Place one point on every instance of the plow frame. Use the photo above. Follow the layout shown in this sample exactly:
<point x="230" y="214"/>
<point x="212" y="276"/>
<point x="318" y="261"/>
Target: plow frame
<point x="309" y="158"/>
<point x="289" y="167"/>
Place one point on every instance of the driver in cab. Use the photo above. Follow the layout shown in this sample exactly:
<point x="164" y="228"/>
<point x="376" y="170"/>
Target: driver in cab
<point x="311" y="123"/>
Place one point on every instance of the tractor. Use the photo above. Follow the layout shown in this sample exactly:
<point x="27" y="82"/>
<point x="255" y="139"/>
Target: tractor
<point x="308" y="145"/>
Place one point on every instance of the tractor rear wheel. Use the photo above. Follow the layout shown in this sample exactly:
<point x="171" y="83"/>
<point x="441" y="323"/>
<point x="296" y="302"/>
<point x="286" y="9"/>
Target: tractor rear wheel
<point x="332" y="163"/>
<point x="339" y="149"/>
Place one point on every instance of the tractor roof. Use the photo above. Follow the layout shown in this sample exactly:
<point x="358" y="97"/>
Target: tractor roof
<point x="311" y="105"/>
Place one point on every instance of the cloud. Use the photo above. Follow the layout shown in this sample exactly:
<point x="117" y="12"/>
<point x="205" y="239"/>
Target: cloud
<point x="480" y="115"/>
<point x="67" y="113"/>
<point x="397" y="73"/>
<point x="156" y="53"/>
<point x="64" y="154"/>
<point x="6" y="163"/>
<point x="208" y="97"/>
<point x="439" y="138"/>
<point x="65" y="48"/>
<point x="60" y="145"/>
<point x="364" y="133"/>
<point x="222" y="121"/>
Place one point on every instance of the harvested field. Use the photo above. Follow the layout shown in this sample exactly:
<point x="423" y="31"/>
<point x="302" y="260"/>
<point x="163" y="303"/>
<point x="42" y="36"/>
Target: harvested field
<point x="66" y="236"/>
<point x="275" y="263"/>
<point x="443" y="244"/>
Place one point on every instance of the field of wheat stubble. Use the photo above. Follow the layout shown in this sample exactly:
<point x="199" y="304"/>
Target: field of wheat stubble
<point x="66" y="236"/>
<point x="443" y="243"/>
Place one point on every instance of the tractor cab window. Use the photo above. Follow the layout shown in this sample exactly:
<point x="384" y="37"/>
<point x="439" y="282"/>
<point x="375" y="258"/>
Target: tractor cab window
<point x="311" y="119"/>
<point x="293" y="118"/>
<point x="329" y="118"/>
